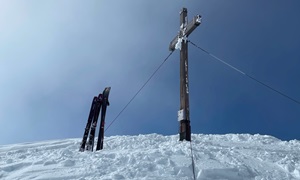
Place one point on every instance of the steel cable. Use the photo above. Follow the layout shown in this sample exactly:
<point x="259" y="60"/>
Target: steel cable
<point x="142" y="87"/>
<point x="241" y="72"/>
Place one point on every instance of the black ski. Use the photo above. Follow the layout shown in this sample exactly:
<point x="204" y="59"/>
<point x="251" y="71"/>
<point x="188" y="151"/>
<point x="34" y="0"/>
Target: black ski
<point x="90" y="144"/>
<point x="88" y="124"/>
<point x="105" y="103"/>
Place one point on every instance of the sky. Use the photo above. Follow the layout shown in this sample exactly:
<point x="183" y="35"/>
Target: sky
<point x="55" y="56"/>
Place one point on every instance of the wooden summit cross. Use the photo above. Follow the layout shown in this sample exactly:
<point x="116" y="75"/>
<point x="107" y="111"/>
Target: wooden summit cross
<point x="180" y="42"/>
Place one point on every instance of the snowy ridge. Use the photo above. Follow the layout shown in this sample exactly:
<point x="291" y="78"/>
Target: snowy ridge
<point x="153" y="156"/>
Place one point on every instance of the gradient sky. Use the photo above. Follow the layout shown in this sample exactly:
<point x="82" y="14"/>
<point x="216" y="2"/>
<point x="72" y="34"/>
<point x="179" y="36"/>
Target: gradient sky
<point x="56" y="55"/>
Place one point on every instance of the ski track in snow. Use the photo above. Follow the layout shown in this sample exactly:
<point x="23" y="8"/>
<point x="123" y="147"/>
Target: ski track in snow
<point x="153" y="156"/>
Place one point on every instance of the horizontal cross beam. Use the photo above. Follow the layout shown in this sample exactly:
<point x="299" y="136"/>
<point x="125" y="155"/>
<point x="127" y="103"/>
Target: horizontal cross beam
<point x="185" y="31"/>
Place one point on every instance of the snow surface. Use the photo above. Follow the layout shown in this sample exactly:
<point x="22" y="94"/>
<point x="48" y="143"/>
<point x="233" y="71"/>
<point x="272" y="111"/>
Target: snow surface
<point x="153" y="156"/>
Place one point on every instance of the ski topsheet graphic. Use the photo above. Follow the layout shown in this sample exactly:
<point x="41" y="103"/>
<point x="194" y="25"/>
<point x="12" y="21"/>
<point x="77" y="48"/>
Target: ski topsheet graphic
<point x="99" y="104"/>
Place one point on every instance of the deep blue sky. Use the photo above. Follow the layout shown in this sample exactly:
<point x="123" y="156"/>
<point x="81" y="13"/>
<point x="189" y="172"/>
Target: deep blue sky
<point x="56" y="55"/>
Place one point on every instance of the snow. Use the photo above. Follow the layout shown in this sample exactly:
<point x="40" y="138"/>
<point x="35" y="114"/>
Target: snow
<point x="198" y="19"/>
<point x="179" y="42"/>
<point x="154" y="156"/>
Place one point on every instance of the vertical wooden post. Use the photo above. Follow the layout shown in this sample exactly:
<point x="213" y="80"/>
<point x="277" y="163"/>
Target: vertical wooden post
<point x="185" y="128"/>
<point x="180" y="42"/>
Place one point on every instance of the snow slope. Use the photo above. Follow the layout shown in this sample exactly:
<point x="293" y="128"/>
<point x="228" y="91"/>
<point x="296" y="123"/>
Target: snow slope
<point x="153" y="156"/>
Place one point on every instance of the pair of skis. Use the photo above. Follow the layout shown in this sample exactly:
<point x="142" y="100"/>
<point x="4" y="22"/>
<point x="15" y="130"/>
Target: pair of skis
<point x="99" y="103"/>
